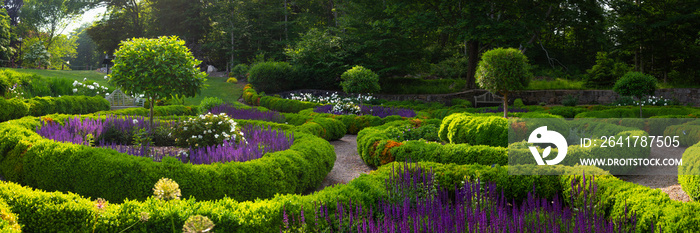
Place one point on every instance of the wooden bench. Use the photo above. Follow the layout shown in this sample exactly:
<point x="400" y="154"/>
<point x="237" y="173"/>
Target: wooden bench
<point x="487" y="98"/>
<point x="119" y="100"/>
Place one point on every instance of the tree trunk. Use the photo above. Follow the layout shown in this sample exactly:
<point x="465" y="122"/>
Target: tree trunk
<point x="505" y="105"/>
<point x="640" y="110"/>
<point x="472" y="59"/>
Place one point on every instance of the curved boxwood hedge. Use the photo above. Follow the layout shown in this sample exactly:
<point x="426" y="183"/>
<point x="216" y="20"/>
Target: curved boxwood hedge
<point x="633" y="112"/>
<point x="8" y="219"/>
<point x="689" y="133"/>
<point x="41" y="211"/>
<point x="40" y="106"/>
<point x="475" y="130"/>
<point x="691" y="166"/>
<point x="29" y="159"/>
<point x="251" y="97"/>
<point x="326" y="128"/>
<point x="376" y="148"/>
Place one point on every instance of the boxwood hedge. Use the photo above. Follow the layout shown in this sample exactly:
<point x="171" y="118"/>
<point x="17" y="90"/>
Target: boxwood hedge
<point x="29" y="159"/>
<point x="475" y="130"/>
<point x="40" y="106"/>
<point x="688" y="172"/>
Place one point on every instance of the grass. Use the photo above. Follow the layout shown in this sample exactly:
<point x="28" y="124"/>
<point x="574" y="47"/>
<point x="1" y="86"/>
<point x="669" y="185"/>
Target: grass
<point x="216" y="87"/>
<point x="557" y="84"/>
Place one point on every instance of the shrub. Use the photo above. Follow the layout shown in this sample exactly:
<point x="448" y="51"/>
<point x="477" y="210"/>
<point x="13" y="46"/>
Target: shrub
<point x="570" y="101"/>
<point x="326" y="128"/>
<point x="518" y="103"/>
<point x="207" y="130"/>
<point x="239" y="71"/>
<point x="360" y="80"/>
<point x="272" y="77"/>
<point x="247" y="114"/>
<point x="462" y="103"/>
<point x="12" y="109"/>
<point x="502" y="71"/>
<point x="605" y="72"/>
<point x="210" y="102"/>
<point x="232" y="80"/>
<point x="688" y="172"/>
<point x="636" y="84"/>
<point x="475" y="130"/>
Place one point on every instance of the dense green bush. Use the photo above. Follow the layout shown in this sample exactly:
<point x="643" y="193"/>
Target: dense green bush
<point x="209" y="102"/>
<point x="272" y="77"/>
<point x="421" y="86"/>
<point x="40" y="106"/>
<point x="8" y="219"/>
<point x="252" y="97"/>
<point x="161" y="111"/>
<point x="632" y="112"/>
<point x="688" y="134"/>
<point x="636" y="84"/>
<point x="12" y="109"/>
<point x="462" y="103"/>
<point x="239" y="71"/>
<point x="326" y="128"/>
<point x="360" y="80"/>
<point x="29" y="159"/>
<point x="688" y="172"/>
<point x="475" y="130"/>
<point x="605" y="72"/>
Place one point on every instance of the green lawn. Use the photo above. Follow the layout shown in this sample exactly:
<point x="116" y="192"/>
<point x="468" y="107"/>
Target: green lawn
<point x="216" y="87"/>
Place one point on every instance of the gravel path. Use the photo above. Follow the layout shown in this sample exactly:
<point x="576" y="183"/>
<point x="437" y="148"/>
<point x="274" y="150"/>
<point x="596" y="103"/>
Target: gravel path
<point x="348" y="164"/>
<point x="668" y="183"/>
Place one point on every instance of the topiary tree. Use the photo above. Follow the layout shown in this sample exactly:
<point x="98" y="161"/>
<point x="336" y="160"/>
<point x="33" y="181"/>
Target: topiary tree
<point x="636" y="84"/>
<point x="360" y="80"/>
<point x="503" y="70"/>
<point x="158" y="68"/>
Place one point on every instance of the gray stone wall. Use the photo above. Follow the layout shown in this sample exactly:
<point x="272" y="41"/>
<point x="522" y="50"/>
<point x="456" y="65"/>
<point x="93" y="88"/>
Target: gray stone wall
<point x="550" y="97"/>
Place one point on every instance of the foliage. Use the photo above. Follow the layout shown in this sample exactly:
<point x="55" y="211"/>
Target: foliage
<point x="209" y="102"/>
<point x="6" y="51"/>
<point x="158" y="68"/>
<point x="352" y="109"/>
<point x="239" y="71"/>
<point x="360" y="80"/>
<point x="451" y="68"/>
<point x="89" y="88"/>
<point x="321" y="56"/>
<point x="301" y="167"/>
<point x="207" y="130"/>
<point x="475" y="130"/>
<point x="246" y="114"/>
<point x="503" y="71"/>
<point x="569" y="101"/>
<point x="232" y="80"/>
<point x="272" y="76"/>
<point x="518" y="103"/>
<point x="37" y="56"/>
<point x="556" y="84"/>
<point x="605" y="72"/>
<point x="635" y="84"/>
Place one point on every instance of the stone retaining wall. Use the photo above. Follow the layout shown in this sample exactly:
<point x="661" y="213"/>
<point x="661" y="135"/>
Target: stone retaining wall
<point x="550" y="97"/>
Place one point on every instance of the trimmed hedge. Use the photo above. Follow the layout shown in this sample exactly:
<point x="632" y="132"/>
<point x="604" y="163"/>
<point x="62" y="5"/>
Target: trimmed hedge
<point x="326" y="128"/>
<point x="41" y="211"/>
<point x="171" y="110"/>
<point x="633" y="112"/>
<point x="376" y="149"/>
<point x="421" y="86"/>
<point x="8" y="219"/>
<point x="689" y="133"/>
<point x="40" y="106"/>
<point x="29" y="159"/>
<point x="475" y="130"/>
<point x="252" y="97"/>
<point x="688" y="172"/>
<point x="12" y="109"/>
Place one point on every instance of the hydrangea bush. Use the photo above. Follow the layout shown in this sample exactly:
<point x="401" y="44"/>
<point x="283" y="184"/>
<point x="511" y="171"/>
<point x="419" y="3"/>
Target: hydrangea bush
<point x="207" y="130"/>
<point x="89" y="88"/>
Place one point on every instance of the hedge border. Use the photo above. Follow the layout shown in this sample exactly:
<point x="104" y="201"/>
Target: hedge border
<point x="97" y="172"/>
<point x="40" y="106"/>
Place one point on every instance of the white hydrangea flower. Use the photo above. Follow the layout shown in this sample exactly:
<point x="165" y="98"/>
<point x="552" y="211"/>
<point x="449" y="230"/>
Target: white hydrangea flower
<point x="136" y="121"/>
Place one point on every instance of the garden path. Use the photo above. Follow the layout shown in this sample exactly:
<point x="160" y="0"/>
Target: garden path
<point x="668" y="183"/>
<point x="348" y="164"/>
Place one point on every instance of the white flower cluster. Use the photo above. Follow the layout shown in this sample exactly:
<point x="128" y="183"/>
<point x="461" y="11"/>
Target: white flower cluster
<point x="650" y="101"/>
<point x="330" y="98"/>
<point x="220" y="119"/>
<point x="89" y="89"/>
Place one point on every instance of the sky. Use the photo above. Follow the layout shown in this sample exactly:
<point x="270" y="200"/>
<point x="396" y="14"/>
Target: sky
<point x="89" y="16"/>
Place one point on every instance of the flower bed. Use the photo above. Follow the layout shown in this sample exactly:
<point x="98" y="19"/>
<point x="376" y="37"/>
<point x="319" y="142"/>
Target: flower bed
<point x="247" y="114"/>
<point x="42" y="163"/>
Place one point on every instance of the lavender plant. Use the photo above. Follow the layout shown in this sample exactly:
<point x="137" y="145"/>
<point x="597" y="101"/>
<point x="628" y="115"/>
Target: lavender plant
<point x="246" y="114"/>
<point x="472" y="207"/>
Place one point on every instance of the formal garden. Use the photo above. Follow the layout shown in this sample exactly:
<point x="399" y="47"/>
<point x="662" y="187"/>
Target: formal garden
<point x="348" y="116"/>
